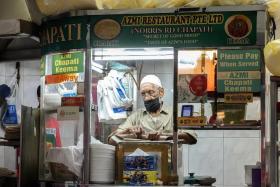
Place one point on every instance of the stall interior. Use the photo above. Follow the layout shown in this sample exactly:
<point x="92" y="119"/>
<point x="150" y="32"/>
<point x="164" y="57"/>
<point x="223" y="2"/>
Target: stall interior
<point x="116" y="79"/>
<point x="116" y="93"/>
<point x="116" y="75"/>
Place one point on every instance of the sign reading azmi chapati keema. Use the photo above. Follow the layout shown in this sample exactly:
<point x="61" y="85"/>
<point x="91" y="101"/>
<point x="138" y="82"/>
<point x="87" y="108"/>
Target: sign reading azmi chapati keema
<point x="68" y="63"/>
<point x="239" y="70"/>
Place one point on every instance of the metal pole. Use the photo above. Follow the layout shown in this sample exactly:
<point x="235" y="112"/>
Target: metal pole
<point x="175" y="128"/>
<point x="87" y="109"/>
<point x="273" y="136"/>
<point x="263" y="122"/>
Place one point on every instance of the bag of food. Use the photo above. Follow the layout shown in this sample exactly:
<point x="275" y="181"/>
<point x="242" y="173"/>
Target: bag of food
<point x="272" y="56"/>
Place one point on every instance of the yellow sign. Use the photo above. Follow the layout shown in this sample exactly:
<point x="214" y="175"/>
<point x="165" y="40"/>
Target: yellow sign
<point x="239" y="75"/>
<point x="239" y="98"/>
<point x="191" y="121"/>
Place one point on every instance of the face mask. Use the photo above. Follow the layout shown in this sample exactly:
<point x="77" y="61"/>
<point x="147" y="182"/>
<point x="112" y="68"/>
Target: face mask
<point x="152" y="105"/>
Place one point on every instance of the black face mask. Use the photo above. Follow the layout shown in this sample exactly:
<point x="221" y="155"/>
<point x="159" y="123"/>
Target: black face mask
<point x="152" y="105"/>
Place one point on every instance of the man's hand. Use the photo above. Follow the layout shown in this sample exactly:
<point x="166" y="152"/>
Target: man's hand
<point x="187" y="138"/>
<point x="134" y="132"/>
<point x="153" y="135"/>
<point x="138" y="131"/>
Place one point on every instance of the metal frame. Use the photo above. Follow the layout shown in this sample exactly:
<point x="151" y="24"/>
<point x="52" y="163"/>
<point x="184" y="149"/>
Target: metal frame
<point x="87" y="110"/>
<point x="261" y="27"/>
<point x="274" y="153"/>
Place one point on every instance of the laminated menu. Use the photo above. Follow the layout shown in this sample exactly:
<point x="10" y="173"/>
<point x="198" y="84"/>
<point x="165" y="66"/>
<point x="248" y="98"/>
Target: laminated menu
<point x="140" y="168"/>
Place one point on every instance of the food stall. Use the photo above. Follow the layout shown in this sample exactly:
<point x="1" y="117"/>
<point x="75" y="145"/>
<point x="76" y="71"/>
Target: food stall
<point x="210" y="61"/>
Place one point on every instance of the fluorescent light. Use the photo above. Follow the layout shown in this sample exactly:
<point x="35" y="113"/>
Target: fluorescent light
<point x="133" y="53"/>
<point x="162" y="57"/>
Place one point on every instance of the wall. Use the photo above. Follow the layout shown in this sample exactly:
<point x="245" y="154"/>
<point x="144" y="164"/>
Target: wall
<point x="218" y="153"/>
<point x="223" y="154"/>
<point x="30" y="79"/>
<point x="14" y="10"/>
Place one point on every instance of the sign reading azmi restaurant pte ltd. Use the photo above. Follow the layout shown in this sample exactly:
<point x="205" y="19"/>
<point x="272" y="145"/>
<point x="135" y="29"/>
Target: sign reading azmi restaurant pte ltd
<point x="239" y="70"/>
<point x="177" y="30"/>
<point x="195" y="29"/>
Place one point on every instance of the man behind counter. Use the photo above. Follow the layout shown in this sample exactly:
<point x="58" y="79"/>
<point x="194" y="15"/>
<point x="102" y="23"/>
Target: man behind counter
<point x="155" y="121"/>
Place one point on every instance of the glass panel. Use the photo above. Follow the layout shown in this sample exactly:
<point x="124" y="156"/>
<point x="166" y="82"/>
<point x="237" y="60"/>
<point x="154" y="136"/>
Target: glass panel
<point x="120" y="106"/>
<point x="122" y="69"/>
<point x="62" y="121"/>
<point x="199" y="100"/>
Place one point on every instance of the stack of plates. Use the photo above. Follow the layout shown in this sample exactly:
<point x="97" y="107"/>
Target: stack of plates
<point x="102" y="163"/>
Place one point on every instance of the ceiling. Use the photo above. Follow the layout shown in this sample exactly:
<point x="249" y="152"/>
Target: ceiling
<point x="19" y="36"/>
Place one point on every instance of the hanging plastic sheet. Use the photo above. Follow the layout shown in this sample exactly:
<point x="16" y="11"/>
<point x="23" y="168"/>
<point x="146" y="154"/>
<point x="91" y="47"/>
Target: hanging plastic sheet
<point x="13" y="112"/>
<point x="54" y="7"/>
<point x="273" y="7"/>
<point x="112" y="97"/>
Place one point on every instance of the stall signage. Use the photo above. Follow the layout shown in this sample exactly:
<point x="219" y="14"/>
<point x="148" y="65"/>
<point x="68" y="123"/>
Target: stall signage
<point x="239" y="60"/>
<point x="55" y="79"/>
<point x="240" y="84"/>
<point x="239" y="75"/>
<point x="73" y="101"/>
<point x="68" y="113"/>
<point x="198" y="85"/>
<point x="68" y="63"/>
<point x="239" y="71"/>
<point x="192" y="88"/>
<point x="238" y="98"/>
<point x="63" y="34"/>
<point x="177" y="30"/>
<point x="191" y="121"/>
<point x="80" y="88"/>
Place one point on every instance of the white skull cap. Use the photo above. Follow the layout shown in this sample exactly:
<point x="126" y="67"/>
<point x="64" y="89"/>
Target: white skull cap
<point x="151" y="79"/>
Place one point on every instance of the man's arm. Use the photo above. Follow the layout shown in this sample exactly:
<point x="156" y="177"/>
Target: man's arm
<point x="126" y="130"/>
<point x="187" y="138"/>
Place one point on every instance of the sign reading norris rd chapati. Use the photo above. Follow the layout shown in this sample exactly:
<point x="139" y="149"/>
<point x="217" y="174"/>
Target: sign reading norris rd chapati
<point x="68" y="63"/>
<point x="239" y="70"/>
<point x="178" y="30"/>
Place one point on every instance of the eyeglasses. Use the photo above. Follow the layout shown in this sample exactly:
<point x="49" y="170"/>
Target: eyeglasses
<point x="150" y="93"/>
